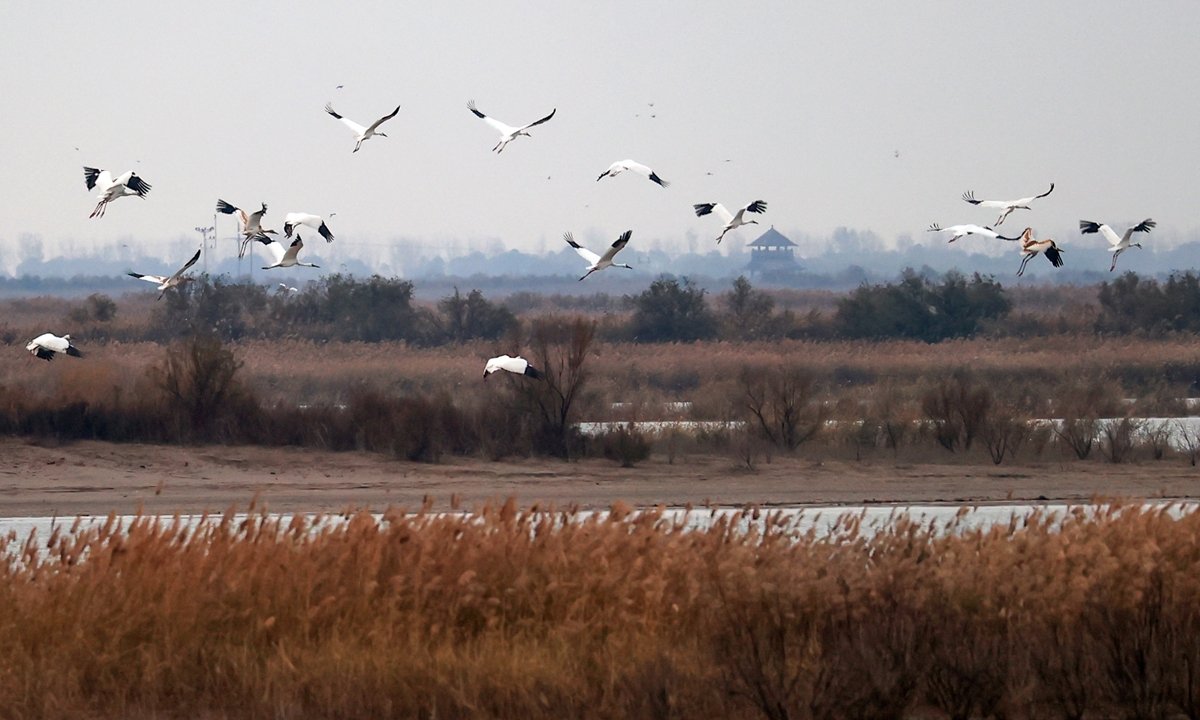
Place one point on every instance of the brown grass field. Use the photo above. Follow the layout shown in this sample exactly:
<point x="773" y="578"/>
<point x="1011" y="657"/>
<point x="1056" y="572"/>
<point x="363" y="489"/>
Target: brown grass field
<point x="509" y="614"/>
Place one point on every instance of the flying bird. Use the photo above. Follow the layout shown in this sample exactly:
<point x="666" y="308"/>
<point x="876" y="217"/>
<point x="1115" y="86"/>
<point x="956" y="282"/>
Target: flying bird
<point x="47" y="345"/>
<point x="507" y="133"/>
<point x="1119" y="244"/>
<point x="598" y="262"/>
<point x="961" y="231"/>
<point x="616" y="168"/>
<point x="252" y="228"/>
<point x="361" y="133"/>
<point x="1031" y="247"/>
<point x="731" y="221"/>
<point x="166" y="283"/>
<point x="1004" y="206"/>
<point x="291" y="220"/>
<point x="518" y="365"/>
<point x="111" y="189"/>
<point x="285" y="258"/>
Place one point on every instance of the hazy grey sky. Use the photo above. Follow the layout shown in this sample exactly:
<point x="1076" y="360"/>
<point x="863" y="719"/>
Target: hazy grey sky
<point x="808" y="102"/>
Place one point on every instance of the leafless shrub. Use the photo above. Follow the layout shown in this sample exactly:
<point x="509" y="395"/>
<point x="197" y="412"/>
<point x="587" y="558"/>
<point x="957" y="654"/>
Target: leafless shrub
<point x="625" y="444"/>
<point x="958" y="408"/>
<point x="1003" y="432"/>
<point x="198" y="378"/>
<point x="1189" y="440"/>
<point x="1157" y="436"/>
<point x="780" y="403"/>
<point x="1118" y="438"/>
<point x="1081" y="407"/>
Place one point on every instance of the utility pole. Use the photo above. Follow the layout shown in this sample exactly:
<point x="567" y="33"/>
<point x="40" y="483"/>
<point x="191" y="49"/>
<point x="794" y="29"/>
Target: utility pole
<point x="204" y="233"/>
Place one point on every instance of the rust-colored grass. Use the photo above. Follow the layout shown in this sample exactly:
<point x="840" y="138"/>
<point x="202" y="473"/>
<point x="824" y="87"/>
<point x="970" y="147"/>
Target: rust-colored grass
<point x="503" y="613"/>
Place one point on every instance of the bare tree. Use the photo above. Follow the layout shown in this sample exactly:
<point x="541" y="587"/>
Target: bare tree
<point x="558" y="348"/>
<point x="781" y="404"/>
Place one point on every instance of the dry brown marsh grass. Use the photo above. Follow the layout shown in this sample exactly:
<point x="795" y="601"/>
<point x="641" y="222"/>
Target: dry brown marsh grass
<point x="507" y="613"/>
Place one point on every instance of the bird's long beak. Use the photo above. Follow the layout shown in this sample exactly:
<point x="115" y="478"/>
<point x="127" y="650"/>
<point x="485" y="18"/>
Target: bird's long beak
<point x="601" y="176"/>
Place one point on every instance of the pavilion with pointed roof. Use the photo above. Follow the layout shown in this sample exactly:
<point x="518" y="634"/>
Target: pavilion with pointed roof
<point x="772" y="253"/>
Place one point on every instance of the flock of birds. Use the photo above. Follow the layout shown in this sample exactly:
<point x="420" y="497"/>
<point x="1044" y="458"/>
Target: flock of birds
<point x="1031" y="247"/>
<point x="252" y="229"/>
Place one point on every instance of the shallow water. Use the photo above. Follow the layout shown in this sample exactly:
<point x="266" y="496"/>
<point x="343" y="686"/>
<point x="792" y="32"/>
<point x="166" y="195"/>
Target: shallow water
<point x="801" y="519"/>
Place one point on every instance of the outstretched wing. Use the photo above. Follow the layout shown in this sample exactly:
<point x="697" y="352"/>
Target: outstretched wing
<point x="138" y="185"/>
<point x="584" y="253"/>
<point x="616" y="246"/>
<point x="969" y="196"/>
<point x="90" y="176"/>
<point x="539" y="122"/>
<point x="190" y="263"/>
<point x="1035" y="197"/>
<point x="323" y="229"/>
<point x="1088" y="227"/>
<point x="705" y="208"/>
<point x="1144" y="226"/>
<point x="383" y="119"/>
<point x="275" y="249"/>
<point x="355" y="127"/>
<point x="493" y="122"/>
<point x="293" y="250"/>
<point x="757" y="206"/>
<point x="156" y="279"/>
<point x="1054" y="255"/>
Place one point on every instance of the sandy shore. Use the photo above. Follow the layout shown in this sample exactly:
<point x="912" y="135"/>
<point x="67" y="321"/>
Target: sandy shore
<point x="96" y="478"/>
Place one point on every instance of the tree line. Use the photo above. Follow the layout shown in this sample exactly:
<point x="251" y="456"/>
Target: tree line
<point x="342" y="308"/>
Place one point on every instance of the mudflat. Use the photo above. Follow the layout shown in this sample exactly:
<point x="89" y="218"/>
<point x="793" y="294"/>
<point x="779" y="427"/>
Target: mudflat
<point x="95" y="478"/>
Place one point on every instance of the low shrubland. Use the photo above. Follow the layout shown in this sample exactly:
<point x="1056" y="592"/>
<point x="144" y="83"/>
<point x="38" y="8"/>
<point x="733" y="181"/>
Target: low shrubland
<point x="536" y="614"/>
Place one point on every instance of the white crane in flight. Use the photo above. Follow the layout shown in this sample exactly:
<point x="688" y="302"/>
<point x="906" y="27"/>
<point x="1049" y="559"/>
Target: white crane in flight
<point x="316" y="222"/>
<point x="112" y="188"/>
<point x="507" y="132"/>
<point x="1004" y="206"/>
<point x="166" y="283"/>
<point x="362" y="133"/>
<point x="731" y="221"/>
<point x="285" y="258"/>
<point x="961" y="231"/>
<point x="517" y="365"/>
<point x="1118" y="244"/>
<point x="599" y="262"/>
<point x="1030" y="248"/>
<point x="252" y="228"/>
<point x="616" y="168"/>
<point x="47" y="345"/>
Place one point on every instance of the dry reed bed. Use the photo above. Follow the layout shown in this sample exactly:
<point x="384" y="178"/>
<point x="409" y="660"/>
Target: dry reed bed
<point x="503" y="613"/>
<point x="310" y="372"/>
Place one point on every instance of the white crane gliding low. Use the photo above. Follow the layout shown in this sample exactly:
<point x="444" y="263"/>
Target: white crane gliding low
<point x="517" y="365"/>
<point x="47" y="345"/>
